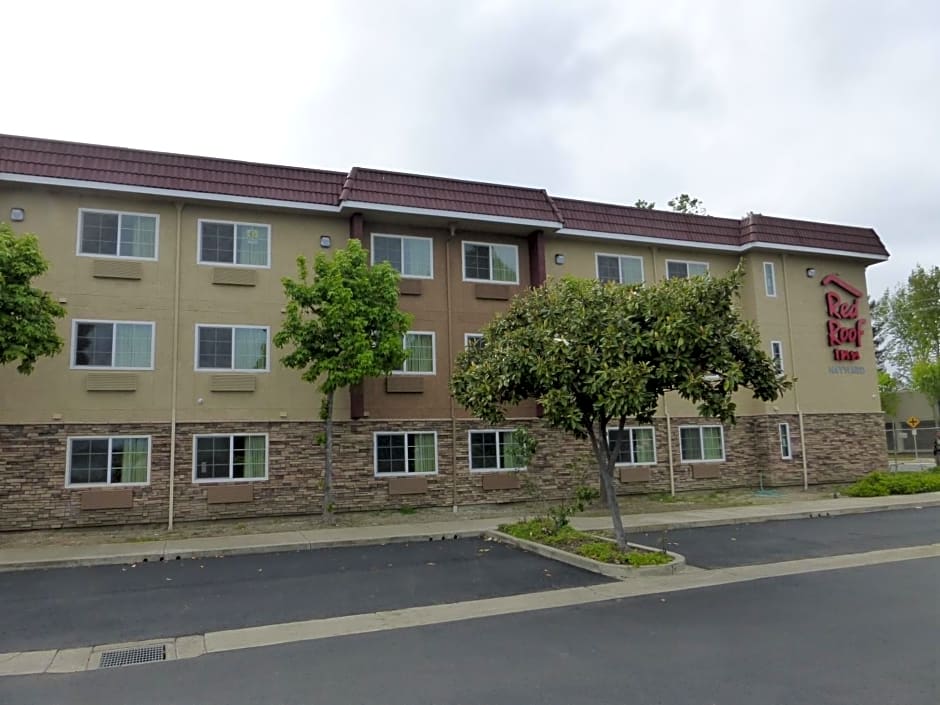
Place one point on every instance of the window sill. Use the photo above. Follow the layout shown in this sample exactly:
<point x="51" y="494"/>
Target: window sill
<point x="226" y="480"/>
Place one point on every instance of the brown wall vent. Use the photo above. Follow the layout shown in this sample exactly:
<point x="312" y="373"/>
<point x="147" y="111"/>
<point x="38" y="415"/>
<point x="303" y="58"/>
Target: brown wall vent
<point x="407" y="485"/>
<point x="116" y="269"/>
<point x="107" y="499"/>
<point x="229" y="494"/>
<point x="637" y="474"/>
<point x="501" y="481"/>
<point x="232" y="383"/>
<point x="110" y="382"/>
<point x="706" y="471"/>
<point x="234" y="276"/>
<point x="494" y="292"/>
<point x="410" y="287"/>
<point x="404" y="384"/>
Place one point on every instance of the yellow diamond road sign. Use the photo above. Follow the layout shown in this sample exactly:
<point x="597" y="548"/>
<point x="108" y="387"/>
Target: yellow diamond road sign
<point x="913" y="422"/>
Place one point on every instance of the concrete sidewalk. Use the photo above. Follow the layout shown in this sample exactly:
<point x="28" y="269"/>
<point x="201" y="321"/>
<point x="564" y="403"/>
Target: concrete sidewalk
<point x="136" y="552"/>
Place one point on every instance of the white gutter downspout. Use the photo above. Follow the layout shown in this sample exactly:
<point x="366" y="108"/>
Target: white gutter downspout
<point x="796" y="388"/>
<point x="450" y="357"/>
<point x="175" y="363"/>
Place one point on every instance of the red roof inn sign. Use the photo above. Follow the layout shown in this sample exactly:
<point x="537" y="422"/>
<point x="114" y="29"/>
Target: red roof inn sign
<point x="844" y="329"/>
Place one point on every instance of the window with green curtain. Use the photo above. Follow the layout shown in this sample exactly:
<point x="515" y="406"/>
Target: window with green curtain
<point x="132" y="345"/>
<point x="255" y="456"/>
<point x="511" y="457"/>
<point x="138" y="236"/>
<point x="251" y="245"/>
<point x="505" y="260"/>
<point x="134" y="458"/>
<point x="690" y="442"/>
<point x="424" y="449"/>
<point x="251" y="349"/>
<point x="712" y="446"/>
<point x="643" y="448"/>
<point x="421" y="349"/>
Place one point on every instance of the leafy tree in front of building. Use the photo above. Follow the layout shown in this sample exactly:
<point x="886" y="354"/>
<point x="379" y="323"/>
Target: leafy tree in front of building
<point x="341" y="326"/>
<point x="27" y="314"/>
<point x="595" y="355"/>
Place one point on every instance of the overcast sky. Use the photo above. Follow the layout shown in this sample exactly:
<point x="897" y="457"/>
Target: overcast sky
<point x="811" y="109"/>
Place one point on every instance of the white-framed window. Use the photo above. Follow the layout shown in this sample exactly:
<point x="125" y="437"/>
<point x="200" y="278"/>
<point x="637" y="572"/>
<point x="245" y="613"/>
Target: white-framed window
<point x="680" y="269"/>
<point x="107" y="460"/>
<point x="230" y="457"/>
<point x="776" y="354"/>
<point x="234" y="244"/>
<point x="410" y="256"/>
<point x="494" y="450"/>
<point x="786" y="451"/>
<point x="701" y="443"/>
<point x="112" y="345"/>
<point x="421" y="353"/>
<point x="232" y="348"/>
<point x="770" y="279"/>
<point x="117" y="234"/>
<point x="486" y="262"/>
<point x="405" y="453"/>
<point x="472" y="340"/>
<point x="637" y="447"/>
<point x="621" y="269"/>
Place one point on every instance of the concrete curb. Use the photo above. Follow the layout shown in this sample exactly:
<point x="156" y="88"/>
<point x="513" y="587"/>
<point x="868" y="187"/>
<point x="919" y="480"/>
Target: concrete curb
<point x="620" y="572"/>
<point x="13" y="559"/>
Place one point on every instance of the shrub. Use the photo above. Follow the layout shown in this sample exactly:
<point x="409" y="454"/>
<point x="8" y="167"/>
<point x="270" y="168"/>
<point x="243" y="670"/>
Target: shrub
<point x="880" y="484"/>
<point x="607" y="552"/>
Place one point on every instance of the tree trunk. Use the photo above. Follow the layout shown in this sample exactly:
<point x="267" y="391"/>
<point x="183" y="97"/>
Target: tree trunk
<point x="328" y="466"/>
<point x="614" y="505"/>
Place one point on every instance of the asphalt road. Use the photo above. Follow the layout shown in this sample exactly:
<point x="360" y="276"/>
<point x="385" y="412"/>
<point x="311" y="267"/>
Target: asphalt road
<point x="68" y="607"/>
<point x="863" y="636"/>
<point x="775" y="541"/>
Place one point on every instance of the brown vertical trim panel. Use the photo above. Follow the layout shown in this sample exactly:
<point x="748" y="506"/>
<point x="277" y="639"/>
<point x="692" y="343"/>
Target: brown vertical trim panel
<point x="537" y="258"/>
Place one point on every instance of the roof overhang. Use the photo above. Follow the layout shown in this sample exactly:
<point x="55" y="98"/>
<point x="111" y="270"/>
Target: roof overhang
<point x="457" y="216"/>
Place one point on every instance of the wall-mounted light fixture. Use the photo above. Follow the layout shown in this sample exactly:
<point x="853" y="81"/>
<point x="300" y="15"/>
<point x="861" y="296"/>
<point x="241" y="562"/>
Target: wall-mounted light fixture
<point x="17" y="214"/>
<point x="559" y="258"/>
<point x="325" y="241"/>
<point x="811" y="272"/>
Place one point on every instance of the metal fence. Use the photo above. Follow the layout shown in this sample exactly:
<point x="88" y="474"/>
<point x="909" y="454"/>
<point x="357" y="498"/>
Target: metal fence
<point x="908" y="448"/>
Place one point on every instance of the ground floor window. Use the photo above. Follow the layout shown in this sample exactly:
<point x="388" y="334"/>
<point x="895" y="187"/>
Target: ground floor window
<point x="495" y="450"/>
<point x="104" y="460"/>
<point x="785" y="451"/>
<point x="404" y="453"/>
<point x="231" y="457"/>
<point x="637" y="446"/>
<point x="700" y="443"/>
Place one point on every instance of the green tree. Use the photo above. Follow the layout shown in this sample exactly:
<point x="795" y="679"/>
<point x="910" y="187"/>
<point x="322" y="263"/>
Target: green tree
<point x="644" y="204"/>
<point x="683" y="203"/>
<point x="596" y="354"/>
<point x="910" y="319"/>
<point x="925" y="378"/>
<point x="27" y="314"/>
<point x="888" y="391"/>
<point x="341" y="326"/>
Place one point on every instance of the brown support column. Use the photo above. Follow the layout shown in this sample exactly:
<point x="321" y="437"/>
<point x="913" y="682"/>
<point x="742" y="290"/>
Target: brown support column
<point x="537" y="258"/>
<point x="357" y="398"/>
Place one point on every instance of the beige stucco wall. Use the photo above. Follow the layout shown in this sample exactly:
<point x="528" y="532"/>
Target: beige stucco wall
<point x="56" y="392"/>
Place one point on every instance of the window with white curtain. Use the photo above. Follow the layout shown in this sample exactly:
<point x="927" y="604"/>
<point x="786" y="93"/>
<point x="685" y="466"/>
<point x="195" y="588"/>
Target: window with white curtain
<point x="117" y="234"/>
<point x="405" y="453"/>
<point x="230" y="457"/>
<point x="420" y="348"/>
<point x="242" y="244"/>
<point x="776" y="354"/>
<point x="620" y="269"/>
<point x="117" y="345"/>
<point x="410" y="256"/>
<point x="770" y="279"/>
<point x="237" y="348"/>
<point x="786" y="452"/>
<point x="108" y="460"/>
<point x="495" y="450"/>
<point x="637" y="445"/>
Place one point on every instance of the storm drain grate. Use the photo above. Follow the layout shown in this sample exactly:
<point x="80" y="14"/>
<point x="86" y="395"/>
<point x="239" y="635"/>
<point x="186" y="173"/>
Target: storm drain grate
<point x="128" y="657"/>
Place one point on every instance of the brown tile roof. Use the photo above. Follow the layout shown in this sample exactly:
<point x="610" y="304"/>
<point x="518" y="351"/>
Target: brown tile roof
<point x="608" y="218"/>
<point x="134" y="167"/>
<point x="782" y="231"/>
<point x="434" y="193"/>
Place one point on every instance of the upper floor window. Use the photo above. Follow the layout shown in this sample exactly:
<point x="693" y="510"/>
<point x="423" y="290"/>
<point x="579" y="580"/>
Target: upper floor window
<point x="238" y="348"/>
<point x="770" y="279"/>
<point x="676" y="269"/>
<point x="114" y="345"/>
<point x="420" y="348"/>
<point x="621" y="269"/>
<point x="409" y="256"/>
<point x="490" y="263"/>
<point x="244" y="244"/>
<point x="474" y="340"/>
<point x="114" y="234"/>
<point x="108" y="460"/>
<point x="776" y="353"/>
<point x="637" y="446"/>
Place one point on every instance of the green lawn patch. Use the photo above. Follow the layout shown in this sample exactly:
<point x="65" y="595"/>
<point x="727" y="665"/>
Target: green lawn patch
<point x="880" y="484"/>
<point x="569" y="539"/>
